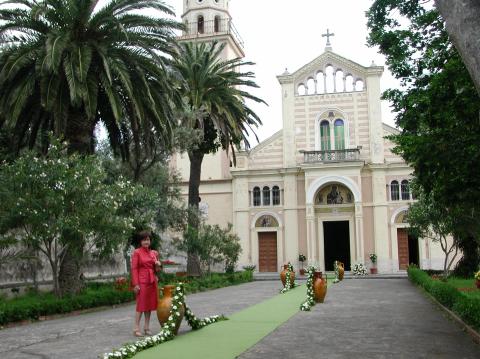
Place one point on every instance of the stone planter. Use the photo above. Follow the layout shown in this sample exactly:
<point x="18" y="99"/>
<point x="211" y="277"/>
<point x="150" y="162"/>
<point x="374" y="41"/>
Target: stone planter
<point x="319" y="287"/>
<point x="165" y="305"/>
<point x="283" y="275"/>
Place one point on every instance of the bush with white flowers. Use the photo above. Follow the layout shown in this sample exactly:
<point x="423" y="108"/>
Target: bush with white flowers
<point x="288" y="282"/>
<point x="168" y="330"/>
<point x="310" y="302"/>
<point x="359" y="269"/>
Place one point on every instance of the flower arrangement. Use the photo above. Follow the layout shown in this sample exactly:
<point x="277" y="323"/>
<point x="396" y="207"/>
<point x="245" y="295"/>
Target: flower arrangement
<point x="168" y="262"/>
<point x="121" y="284"/>
<point x="310" y="302"/>
<point x="288" y="283"/>
<point x="477" y="275"/>
<point x="168" y="330"/>
<point x="337" y="272"/>
<point x="359" y="269"/>
<point x="373" y="258"/>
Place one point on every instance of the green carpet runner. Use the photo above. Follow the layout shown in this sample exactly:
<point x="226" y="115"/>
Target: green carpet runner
<point x="225" y="340"/>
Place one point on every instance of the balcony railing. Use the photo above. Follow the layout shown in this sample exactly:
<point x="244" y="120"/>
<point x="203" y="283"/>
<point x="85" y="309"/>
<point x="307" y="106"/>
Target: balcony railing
<point x="214" y="27"/>
<point x="352" y="154"/>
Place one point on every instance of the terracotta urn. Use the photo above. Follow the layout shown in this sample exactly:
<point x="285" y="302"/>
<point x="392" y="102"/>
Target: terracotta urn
<point x="319" y="287"/>
<point x="283" y="275"/>
<point x="341" y="270"/>
<point x="165" y="304"/>
<point x="477" y="283"/>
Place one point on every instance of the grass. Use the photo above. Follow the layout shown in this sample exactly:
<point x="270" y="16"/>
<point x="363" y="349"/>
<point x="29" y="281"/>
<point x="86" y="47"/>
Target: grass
<point x="468" y="286"/>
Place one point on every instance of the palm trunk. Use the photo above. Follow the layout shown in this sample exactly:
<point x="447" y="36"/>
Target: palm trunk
<point x="196" y="159"/>
<point x="79" y="134"/>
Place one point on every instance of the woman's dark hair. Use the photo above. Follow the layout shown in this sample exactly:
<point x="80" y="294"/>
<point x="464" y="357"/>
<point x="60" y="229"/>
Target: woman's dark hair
<point x="139" y="236"/>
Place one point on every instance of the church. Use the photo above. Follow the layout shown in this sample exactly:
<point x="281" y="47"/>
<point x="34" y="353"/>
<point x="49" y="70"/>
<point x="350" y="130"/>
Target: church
<point x="327" y="185"/>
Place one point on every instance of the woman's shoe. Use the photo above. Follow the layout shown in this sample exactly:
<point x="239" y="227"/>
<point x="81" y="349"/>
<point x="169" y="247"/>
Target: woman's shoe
<point x="148" y="332"/>
<point x="137" y="333"/>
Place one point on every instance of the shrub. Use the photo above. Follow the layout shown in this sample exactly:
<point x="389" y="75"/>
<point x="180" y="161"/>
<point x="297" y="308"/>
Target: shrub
<point x="468" y="308"/>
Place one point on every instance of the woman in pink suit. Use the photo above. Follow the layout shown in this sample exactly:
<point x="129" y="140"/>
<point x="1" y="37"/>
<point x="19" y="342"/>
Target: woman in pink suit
<point x="145" y="264"/>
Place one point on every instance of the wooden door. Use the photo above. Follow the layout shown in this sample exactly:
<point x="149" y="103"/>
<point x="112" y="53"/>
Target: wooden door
<point x="267" y="252"/>
<point x="402" y="239"/>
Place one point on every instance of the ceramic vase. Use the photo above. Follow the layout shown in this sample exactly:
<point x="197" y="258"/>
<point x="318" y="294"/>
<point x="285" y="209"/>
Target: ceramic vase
<point x="319" y="287"/>
<point x="341" y="270"/>
<point x="165" y="305"/>
<point x="283" y="275"/>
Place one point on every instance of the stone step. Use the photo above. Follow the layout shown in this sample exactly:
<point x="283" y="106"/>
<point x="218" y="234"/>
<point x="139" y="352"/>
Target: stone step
<point x="348" y="275"/>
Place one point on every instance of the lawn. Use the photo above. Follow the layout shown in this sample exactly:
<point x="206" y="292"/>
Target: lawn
<point x="466" y="286"/>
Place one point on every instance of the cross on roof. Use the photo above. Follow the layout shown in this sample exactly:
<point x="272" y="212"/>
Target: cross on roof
<point x="328" y="35"/>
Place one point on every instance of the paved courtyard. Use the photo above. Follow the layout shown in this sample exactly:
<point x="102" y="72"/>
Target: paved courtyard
<point x="360" y="319"/>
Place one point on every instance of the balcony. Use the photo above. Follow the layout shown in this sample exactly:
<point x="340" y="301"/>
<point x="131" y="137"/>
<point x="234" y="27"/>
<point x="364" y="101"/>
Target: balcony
<point x="352" y="154"/>
<point x="216" y="27"/>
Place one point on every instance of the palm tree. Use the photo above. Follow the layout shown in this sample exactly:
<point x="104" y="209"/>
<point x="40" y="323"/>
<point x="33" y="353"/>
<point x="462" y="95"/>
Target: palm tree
<point x="67" y="65"/>
<point x="214" y="90"/>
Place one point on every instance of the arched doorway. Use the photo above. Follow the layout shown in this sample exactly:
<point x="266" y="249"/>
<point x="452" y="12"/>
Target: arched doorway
<point x="266" y="226"/>
<point x="335" y="211"/>
<point x="407" y="244"/>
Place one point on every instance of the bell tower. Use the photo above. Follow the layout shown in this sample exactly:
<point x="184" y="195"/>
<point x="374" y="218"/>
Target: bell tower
<point x="210" y="20"/>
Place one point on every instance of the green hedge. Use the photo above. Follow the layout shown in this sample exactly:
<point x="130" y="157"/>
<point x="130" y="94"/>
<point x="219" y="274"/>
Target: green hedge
<point x="466" y="307"/>
<point x="32" y="306"/>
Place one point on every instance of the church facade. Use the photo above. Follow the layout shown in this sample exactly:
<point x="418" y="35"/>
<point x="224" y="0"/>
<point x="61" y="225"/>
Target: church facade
<point x="327" y="185"/>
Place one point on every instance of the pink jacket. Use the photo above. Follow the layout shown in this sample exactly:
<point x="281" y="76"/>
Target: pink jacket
<point x="143" y="266"/>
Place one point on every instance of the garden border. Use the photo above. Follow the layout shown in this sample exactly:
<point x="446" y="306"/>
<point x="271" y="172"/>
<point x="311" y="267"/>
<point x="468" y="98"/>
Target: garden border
<point x="454" y="317"/>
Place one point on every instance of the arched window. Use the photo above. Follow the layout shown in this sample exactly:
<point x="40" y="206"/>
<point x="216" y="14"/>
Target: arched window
<point x="339" y="135"/>
<point x="325" y="135"/>
<point x="311" y="86"/>
<point x="320" y="83"/>
<point x="276" y="195"/>
<point x="405" y="190"/>
<point x="217" y="24"/>
<point x="302" y="90"/>
<point x="339" y="81"/>
<point x="266" y="196"/>
<point x="256" y="197"/>
<point x="329" y="71"/>
<point x="201" y="25"/>
<point x="394" y="191"/>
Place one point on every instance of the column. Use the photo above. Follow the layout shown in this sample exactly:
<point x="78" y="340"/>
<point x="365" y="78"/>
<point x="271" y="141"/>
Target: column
<point x="291" y="218"/>
<point x="380" y="221"/>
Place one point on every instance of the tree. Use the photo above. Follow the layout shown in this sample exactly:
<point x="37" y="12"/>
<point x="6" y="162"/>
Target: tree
<point x="436" y="107"/>
<point x="461" y="18"/>
<point x="212" y="245"/>
<point x="45" y="197"/>
<point x="429" y="220"/>
<point x="214" y="91"/>
<point x="66" y="66"/>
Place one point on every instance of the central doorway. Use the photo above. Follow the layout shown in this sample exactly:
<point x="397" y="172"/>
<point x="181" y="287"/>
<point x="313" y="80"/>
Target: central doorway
<point x="336" y="243"/>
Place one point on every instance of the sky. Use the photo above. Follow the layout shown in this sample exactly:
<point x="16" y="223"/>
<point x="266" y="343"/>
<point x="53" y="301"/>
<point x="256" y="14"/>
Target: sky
<point x="281" y="34"/>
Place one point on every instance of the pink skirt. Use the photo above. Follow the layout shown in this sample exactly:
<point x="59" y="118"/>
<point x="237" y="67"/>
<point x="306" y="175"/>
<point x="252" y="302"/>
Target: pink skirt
<point x="147" y="298"/>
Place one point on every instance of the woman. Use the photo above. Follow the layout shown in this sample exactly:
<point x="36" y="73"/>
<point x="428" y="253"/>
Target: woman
<point x="144" y="265"/>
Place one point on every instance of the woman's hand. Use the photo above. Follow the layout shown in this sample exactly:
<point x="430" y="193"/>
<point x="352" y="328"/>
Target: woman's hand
<point x="136" y="289"/>
<point x="158" y="265"/>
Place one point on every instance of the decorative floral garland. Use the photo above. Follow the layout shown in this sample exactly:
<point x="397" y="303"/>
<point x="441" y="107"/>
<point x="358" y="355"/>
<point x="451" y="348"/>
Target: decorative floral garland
<point x="288" y="283"/>
<point x="337" y="272"/>
<point x="359" y="269"/>
<point x="310" y="302"/>
<point x="168" y="330"/>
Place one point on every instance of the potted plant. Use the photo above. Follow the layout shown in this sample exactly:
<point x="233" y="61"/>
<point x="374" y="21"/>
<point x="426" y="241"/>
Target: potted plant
<point x="373" y="259"/>
<point x="301" y="259"/>
<point x="477" y="279"/>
